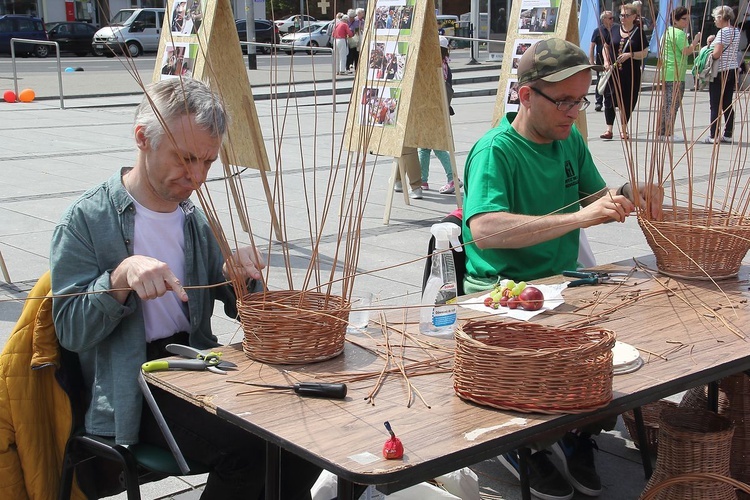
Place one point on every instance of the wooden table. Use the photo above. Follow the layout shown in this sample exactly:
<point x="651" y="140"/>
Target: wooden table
<point x="689" y="333"/>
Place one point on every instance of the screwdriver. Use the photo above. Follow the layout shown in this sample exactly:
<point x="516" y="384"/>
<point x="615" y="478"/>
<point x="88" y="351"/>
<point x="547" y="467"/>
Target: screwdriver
<point x="308" y="389"/>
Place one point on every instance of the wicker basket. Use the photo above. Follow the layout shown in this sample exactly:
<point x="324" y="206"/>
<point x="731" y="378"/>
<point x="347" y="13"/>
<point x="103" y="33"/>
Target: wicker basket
<point x="693" y="440"/>
<point x="651" y="419"/>
<point x="701" y="477"/>
<point x="734" y="403"/>
<point x="698" y="243"/>
<point x="532" y="368"/>
<point x="293" y="327"/>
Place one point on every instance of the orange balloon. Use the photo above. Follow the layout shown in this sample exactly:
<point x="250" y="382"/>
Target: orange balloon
<point x="9" y="96"/>
<point x="26" y="95"/>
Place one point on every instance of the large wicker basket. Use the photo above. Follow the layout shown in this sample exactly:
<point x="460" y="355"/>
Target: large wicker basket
<point x="293" y="327"/>
<point x="697" y="243"/>
<point x="532" y="368"/>
<point x="734" y="403"/>
<point x="693" y="440"/>
<point x="695" y="477"/>
<point x="651" y="420"/>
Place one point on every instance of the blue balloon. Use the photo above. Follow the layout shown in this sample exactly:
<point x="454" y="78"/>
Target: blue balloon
<point x="69" y="69"/>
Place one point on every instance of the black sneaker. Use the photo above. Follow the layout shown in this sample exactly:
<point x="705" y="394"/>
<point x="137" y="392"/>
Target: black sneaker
<point x="545" y="480"/>
<point x="577" y="454"/>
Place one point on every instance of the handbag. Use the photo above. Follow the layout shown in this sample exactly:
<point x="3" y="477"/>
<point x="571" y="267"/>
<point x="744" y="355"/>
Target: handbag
<point x="354" y="41"/>
<point x="604" y="79"/>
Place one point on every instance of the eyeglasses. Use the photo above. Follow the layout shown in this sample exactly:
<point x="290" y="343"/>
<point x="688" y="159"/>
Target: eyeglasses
<point x="626" y="15"/>
<point x="564" y="105"/>
<point x="611" y="18"/>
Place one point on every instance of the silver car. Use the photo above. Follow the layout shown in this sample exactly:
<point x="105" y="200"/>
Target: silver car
<point x="315" y="35"/>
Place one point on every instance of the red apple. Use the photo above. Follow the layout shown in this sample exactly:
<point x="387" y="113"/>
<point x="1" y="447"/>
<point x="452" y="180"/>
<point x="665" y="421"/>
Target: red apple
<point x="531" y="299"/>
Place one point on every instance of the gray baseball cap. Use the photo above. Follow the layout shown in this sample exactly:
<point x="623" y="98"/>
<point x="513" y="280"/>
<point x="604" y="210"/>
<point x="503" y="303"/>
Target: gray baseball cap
<point x="553" y="60"/>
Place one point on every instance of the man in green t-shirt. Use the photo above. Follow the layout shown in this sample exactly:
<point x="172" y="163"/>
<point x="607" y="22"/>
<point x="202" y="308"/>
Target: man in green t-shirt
<point x="674" y="55"/>
<point x="531" y="185"/>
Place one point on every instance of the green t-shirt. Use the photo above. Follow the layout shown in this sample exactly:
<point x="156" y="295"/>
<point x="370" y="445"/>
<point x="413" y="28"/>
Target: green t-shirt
<point x="508" y="173"/>
<point x="675" y="62"/>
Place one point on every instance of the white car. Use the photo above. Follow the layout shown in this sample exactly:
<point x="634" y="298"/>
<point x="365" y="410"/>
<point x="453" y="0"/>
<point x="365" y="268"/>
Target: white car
<point x="293" y="23"/>
<point x="315" y="35"/>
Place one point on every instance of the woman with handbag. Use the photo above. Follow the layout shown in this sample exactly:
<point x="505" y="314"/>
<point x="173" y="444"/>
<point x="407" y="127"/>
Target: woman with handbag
<point x="725" y="46"/>
<point x="341" y="35"/>
<point x="625" y="58"/>
<point x="675" y="50"/>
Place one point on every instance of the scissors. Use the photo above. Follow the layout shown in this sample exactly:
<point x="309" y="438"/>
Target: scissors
<point x="199" y="360"/>
<point x="593" y="278"/>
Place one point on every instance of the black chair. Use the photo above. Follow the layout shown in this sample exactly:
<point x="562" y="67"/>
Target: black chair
<point x="459" y="258"/>
<point x="106" y="468"/>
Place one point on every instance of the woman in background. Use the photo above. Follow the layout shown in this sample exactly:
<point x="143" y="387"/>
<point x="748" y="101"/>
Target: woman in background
<point x="626" y="53"/>
<point x="675" y="50"/>
<point x="725" y="46"/>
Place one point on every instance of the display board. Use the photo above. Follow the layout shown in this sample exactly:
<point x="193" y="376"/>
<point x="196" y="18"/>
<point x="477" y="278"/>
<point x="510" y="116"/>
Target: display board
<point x="399" y="97"/>
<point x="531" y="21"/>
<point x="199" y="40"/>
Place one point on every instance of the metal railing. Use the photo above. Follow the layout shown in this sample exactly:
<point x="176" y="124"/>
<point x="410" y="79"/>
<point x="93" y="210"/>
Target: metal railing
<point x="37" y="42"/>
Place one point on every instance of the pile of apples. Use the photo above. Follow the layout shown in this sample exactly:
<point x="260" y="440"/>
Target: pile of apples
<point x="514" y="295"/>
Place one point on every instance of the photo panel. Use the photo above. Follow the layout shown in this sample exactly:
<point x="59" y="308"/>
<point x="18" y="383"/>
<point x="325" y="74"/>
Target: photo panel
<point x="519" y="48"/>
<point x="512" y="100"/>
<point x="387" y="60"/>
<point x="379" y="106"/>
<point x="186" y="17"/>
<point x="178" y="60"/>
<point x="538" y="16"/>
<point x="393" y="17"/>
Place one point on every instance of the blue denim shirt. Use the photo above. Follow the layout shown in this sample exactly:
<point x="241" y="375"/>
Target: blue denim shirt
<point x="94" y="235"/>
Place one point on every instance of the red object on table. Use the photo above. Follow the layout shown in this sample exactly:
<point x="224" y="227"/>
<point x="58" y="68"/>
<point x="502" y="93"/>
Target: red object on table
<point x="392" y="449"/>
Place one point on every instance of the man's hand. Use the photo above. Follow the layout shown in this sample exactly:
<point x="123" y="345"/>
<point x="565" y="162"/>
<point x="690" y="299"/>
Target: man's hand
<point x="655" y="194"/>
<point x="246" y="263"/>
<point x="148" y="277"/>
<point x="606" y="209"/>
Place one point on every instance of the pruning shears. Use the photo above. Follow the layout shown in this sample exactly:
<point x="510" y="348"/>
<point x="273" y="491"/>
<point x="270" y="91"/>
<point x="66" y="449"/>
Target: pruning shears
<point x="593" y="278"/>
<point x="198" y="360"/>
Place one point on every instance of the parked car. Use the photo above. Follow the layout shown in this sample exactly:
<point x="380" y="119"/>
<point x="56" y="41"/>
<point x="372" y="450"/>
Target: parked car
<point x="315" y="35"/>
<point x="293" y="23"/>
<point x="131" y="32"/>
<point x="73" y="37"/>
<point x="18" y="26"/>
<point x="265" y="32"/>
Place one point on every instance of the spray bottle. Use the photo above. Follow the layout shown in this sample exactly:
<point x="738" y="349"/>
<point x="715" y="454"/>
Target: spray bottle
<point x="437" y="316"/>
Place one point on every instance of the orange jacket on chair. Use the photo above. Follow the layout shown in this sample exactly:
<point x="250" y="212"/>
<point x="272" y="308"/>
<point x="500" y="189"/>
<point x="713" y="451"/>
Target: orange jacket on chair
<point x="35" y="413"/>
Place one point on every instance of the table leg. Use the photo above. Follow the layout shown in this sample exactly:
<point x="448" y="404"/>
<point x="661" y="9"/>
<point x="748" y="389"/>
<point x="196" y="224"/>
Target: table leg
<point x="523" y="464"/>
<point x="273" y="473"/>
<point x="713" y="396"/>
<point x="345" y="489"/>
<point x="643" y="442"/>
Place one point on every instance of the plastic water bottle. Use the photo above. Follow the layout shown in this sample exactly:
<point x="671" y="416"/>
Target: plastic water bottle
<point x="437" y="316"/>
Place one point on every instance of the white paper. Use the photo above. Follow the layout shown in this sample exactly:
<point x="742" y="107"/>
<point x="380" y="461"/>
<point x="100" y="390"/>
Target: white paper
<point x="552" y="299"/>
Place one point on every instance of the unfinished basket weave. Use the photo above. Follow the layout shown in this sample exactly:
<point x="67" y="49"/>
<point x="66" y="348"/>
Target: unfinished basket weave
<point x="702" y="477"/>
<point x="693" y="440"/>
<point x="532" y="368"/>
<point x="651" y="419"/>
<point x="293" y="327"/>
<point x="697" y="243"/>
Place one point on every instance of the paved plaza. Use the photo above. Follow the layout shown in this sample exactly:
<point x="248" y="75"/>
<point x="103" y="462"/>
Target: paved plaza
<point x="49" y="156"/>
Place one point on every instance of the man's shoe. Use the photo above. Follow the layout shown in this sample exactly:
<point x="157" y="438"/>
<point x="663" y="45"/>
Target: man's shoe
<point x="708" y="140"/>
<point x="416" y="194"/>
<point x="545" y="480"/>
<point x="577" y="454"/>
<point x="726" y="139"/>
<point x="598" y="107"/>
<point x="398" y="187"/>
